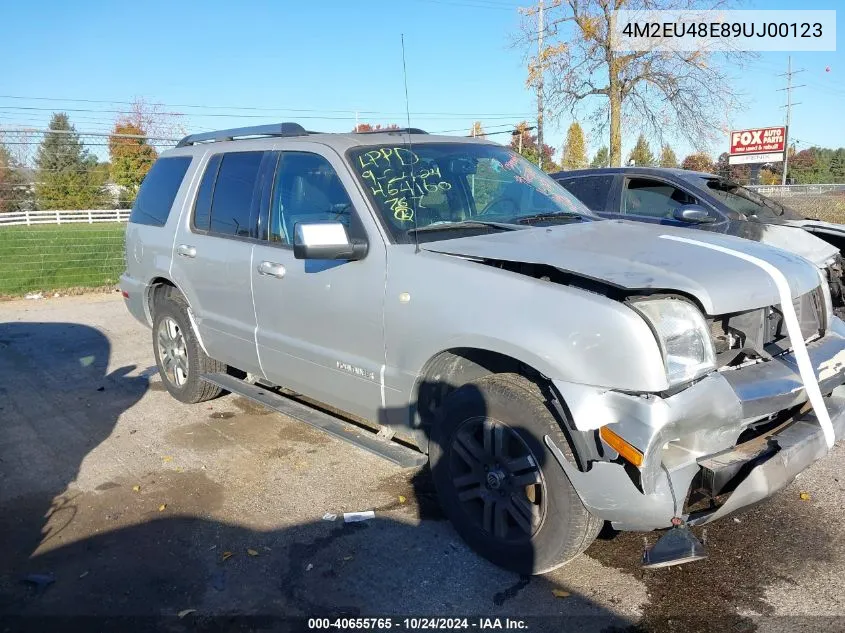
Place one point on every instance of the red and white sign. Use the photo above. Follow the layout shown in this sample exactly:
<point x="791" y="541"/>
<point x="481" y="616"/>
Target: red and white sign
<point x="767" y="140"/>
<point x="748" y="159"/>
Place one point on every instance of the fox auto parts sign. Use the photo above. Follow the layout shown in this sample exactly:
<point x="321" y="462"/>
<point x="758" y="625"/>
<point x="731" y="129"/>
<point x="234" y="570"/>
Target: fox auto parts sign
<point x="760" y="145"/>
<point x="759" y="141"/>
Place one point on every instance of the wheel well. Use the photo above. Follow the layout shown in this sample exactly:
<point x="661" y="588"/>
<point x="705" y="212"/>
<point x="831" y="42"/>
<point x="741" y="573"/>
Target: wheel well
<point x="452" y="368"/>
<point x="455" y="367"/>
<point x="158" y="287"/>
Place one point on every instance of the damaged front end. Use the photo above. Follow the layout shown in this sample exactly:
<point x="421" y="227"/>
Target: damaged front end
<point x="726" y="441"/>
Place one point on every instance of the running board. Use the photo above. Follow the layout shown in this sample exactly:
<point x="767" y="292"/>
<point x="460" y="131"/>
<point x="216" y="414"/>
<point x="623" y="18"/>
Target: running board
<point x="400" y="455"/>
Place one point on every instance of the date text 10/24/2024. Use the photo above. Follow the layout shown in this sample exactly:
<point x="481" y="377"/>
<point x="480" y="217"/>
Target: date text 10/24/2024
<point x="417" y="624"/>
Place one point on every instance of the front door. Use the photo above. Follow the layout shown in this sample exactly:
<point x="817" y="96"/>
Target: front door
<point x="653" y="200"/>
<point x="319" y="322"/>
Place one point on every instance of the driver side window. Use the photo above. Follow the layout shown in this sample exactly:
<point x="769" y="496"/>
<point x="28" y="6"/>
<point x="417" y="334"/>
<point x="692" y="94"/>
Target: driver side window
<point x="653" y="198"/>
<point x="306" y="189"/>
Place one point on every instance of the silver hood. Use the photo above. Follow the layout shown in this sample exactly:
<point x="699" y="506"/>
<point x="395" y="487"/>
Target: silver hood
<point x="633" y="256"/>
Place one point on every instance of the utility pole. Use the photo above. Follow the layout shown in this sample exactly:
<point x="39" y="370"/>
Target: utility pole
<point x="541" y="28"/>
<point x="789" y="88"/>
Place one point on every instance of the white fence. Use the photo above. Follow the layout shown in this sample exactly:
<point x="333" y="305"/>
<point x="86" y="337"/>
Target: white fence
<point x="782" y="191"/>
<point x="88" y="216"/>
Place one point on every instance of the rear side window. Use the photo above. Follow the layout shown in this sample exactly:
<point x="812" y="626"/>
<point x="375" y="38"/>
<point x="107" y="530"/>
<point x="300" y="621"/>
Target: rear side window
<point x="232" y="200"/>
<point x="158" y="191"/>
<point x="591" y="190"/>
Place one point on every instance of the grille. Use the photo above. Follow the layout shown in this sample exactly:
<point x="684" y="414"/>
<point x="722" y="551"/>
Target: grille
<point x="810" y="310"/>
<point x="762" y="333"/>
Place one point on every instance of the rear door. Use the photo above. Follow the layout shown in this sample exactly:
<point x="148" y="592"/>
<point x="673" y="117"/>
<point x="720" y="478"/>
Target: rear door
<point x="213" y="255"/>
<point x="320" y="322"/>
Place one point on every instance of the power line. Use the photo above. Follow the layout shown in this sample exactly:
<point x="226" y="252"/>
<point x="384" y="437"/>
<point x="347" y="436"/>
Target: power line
<point x="247" y="108"/>
<point x="489" y="127"/>
<point x="104" y="134"/>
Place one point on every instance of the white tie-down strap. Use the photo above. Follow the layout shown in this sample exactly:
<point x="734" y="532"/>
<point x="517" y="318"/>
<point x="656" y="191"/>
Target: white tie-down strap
<point x="799" y="348"/>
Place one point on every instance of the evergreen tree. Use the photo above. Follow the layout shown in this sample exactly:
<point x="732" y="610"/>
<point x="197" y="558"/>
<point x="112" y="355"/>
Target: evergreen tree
<point x="667" y="157"/>
<point x="602" y="158"/>
<point x="641" y="154"/>
<point x="574" y="149"/>
<point x="837" y="165"/>
<point x="66" y="176"/>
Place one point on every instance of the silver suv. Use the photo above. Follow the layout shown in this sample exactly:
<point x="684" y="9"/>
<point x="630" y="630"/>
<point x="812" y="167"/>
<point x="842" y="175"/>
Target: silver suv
<point x="559" y="370"/>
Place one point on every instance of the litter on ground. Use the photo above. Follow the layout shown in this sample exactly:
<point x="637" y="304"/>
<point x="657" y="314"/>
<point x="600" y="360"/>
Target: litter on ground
<point x="352" y="517"/>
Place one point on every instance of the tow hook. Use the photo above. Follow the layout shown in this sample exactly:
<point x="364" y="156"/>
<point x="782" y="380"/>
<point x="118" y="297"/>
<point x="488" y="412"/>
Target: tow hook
<point x="678" y="546"/>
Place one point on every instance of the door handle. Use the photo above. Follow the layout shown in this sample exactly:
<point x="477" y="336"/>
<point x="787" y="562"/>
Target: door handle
<point x="186" y="251"/>
<point x="271" y="269"/>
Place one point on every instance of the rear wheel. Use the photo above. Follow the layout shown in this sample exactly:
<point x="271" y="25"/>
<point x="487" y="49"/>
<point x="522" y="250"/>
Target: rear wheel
<point x="179" y="356"/>
<point x="498" y="482"/>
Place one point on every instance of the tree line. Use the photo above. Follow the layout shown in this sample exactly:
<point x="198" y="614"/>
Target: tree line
<point x="67" y="175"/>
<point x="811" y="165"/>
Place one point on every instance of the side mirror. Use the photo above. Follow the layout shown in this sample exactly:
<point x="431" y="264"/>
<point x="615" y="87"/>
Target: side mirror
<point x="327" y="240"/>
<point x="693" y="213"/>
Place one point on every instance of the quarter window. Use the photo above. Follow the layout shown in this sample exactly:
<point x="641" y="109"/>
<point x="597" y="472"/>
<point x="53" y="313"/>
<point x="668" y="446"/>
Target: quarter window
<point x="158" y="191"/>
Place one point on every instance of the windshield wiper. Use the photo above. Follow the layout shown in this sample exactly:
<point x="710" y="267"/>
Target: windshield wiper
<point x="465" y="224"/>
<point x="544" y="217"/>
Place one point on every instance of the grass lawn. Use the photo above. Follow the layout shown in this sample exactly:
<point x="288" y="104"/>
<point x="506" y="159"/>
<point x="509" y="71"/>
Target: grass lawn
<point x="50" y="257"/>
<point x="828" y="207"/>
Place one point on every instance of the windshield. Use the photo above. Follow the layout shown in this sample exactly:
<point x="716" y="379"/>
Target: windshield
<point x="747" y="202"/>
<point x="442" y="184"/>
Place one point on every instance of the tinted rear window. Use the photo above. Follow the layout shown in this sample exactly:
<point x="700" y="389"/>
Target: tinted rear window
<point x="231" y="207"/>
<point x="591" y="190"/>
<point x="158" y="191"/>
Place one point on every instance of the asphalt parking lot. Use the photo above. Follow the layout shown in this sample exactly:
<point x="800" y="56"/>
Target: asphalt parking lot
<point x="116" y="500"/>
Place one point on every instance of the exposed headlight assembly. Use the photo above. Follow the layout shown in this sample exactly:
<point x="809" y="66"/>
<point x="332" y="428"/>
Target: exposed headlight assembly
<point x="683" y="337"/>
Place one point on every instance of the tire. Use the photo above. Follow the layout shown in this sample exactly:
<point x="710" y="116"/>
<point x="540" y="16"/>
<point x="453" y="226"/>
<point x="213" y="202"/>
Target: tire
<point x="512" y="503"/>
<point x="174" y="338"/>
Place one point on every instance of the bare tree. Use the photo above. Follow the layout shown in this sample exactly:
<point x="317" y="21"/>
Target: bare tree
<point x="153" y="119"/>
<point x="687" y="92"/>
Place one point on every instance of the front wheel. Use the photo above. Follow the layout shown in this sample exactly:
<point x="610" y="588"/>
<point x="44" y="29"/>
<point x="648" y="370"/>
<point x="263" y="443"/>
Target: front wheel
<point x="179" y="356"/>
<point x="498" y="482"/>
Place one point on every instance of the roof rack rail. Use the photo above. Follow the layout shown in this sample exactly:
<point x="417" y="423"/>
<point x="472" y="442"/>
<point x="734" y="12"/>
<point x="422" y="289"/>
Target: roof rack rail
<point x="274" y="129"/>
<point x="395" y="130"/>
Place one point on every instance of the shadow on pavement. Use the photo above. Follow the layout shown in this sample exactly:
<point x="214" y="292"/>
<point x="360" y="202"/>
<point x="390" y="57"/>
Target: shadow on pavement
<point x="115" y="553"/>
<point x="76" y="557"/>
